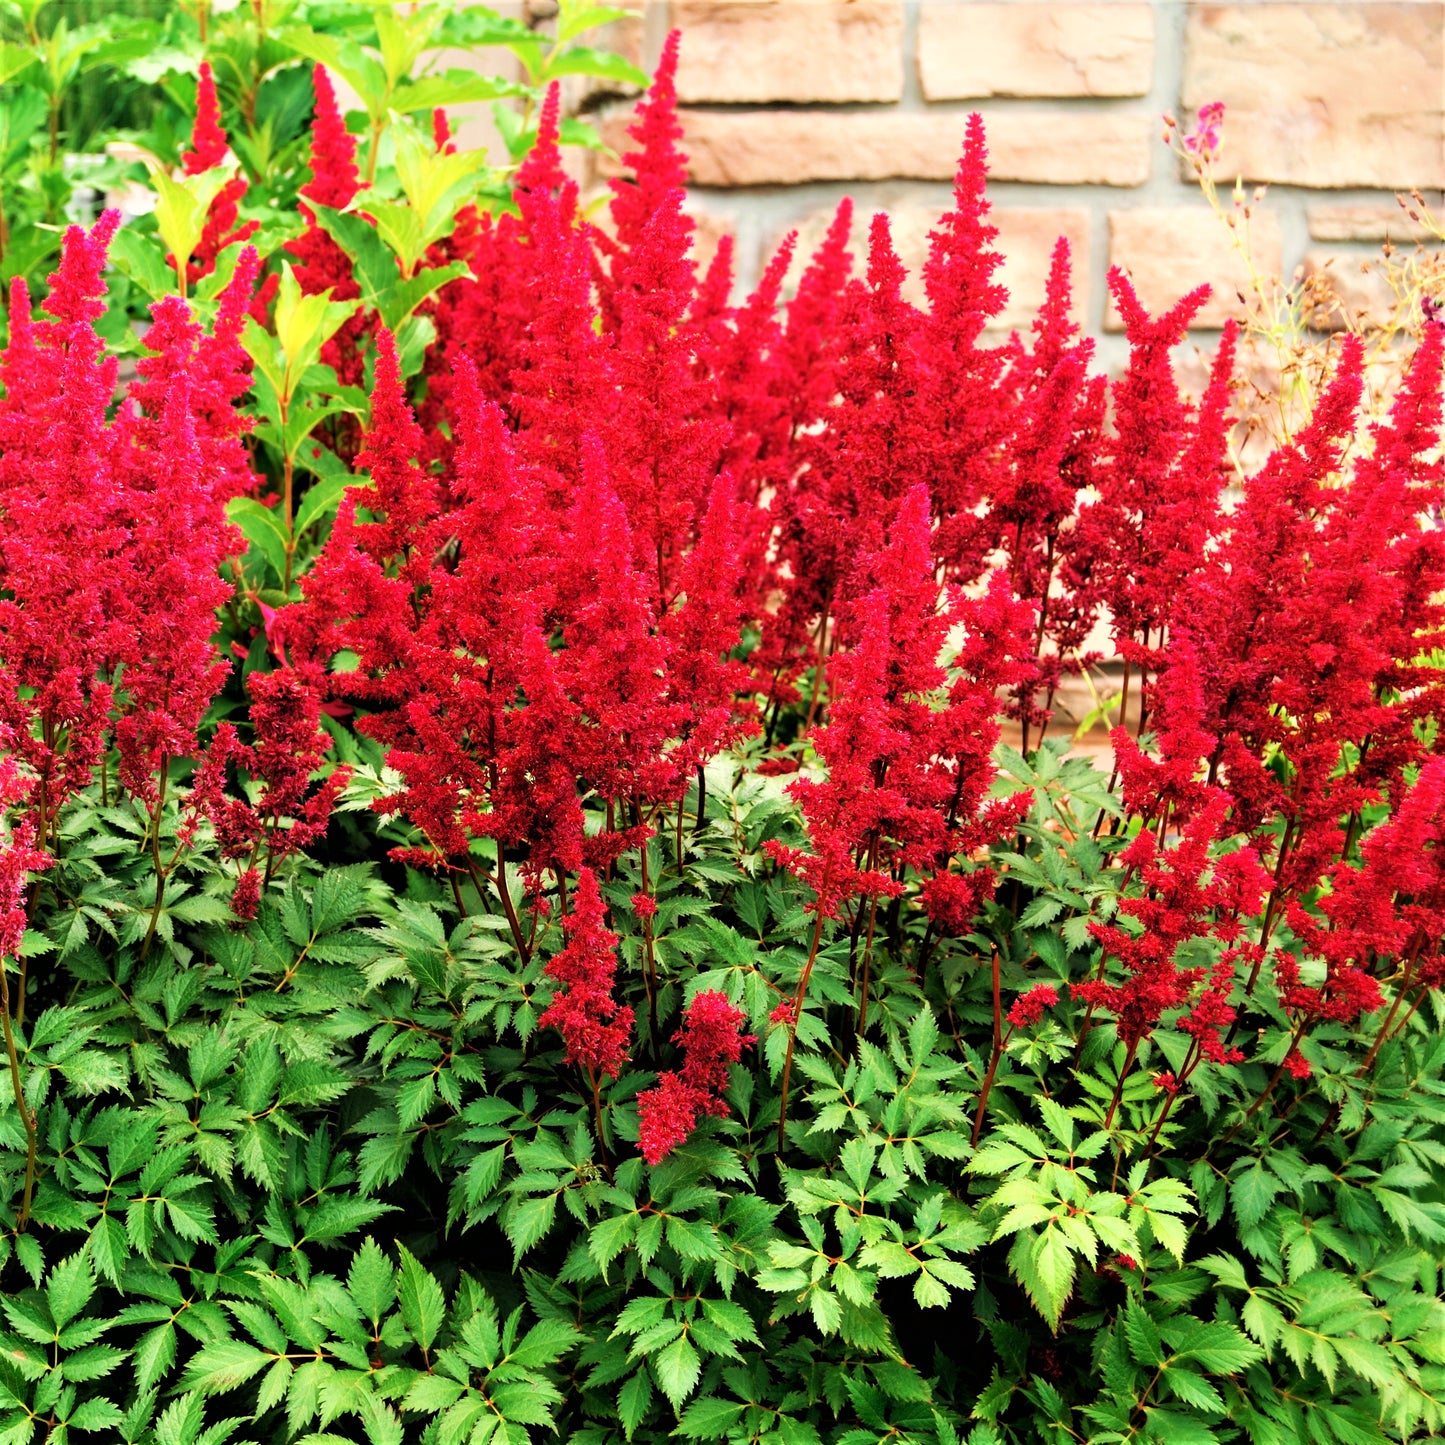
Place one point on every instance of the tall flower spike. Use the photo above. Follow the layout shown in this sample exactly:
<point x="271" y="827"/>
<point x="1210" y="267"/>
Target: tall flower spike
<point x="712" y="1041"/>
<point x="541" y="173"/>
<point x="208" y="140"/>
<point x="288" y="745"/>
<point x="209" y="149"/>
<point x="321" y="264"/>
<point x="662" y="442"/>
<point x="218" y="374"/>
<point x="177" y="544"/>
<point x="66" y="612"/>
<point x="335" y="179"/>
<point x="404" y="494"/>
<point x="658" y="167"/>
<point x="1160" y="488"/>
<point x="614" y="664"/>
<point x="958" y="274"/>
<point x="595" y="1028"/>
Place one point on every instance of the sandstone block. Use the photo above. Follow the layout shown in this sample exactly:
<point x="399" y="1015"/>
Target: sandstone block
<point x="970" y="48"/>
<point x="1168" y="251"/>
<point x="752" y="51"/>
<point x="1343" y="94"/>
<point x="789" y="147"/>
<point x="1365" y="223"/>
<point x="1026" y="239"/>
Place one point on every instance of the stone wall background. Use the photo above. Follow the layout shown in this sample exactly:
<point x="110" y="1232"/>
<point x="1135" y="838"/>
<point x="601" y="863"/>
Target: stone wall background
<point x="790" y="104"/>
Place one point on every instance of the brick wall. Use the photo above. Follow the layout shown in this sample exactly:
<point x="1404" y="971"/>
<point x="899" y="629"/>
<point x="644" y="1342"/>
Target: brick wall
<point x="790" y="104"/>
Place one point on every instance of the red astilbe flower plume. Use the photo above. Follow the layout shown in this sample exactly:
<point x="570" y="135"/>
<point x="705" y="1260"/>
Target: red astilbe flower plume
<point x="703" y="630"/>
<point x="711" y="306"/>
<point x="556" y="374"/>
<point x="1309" y="592"/>
<point x="1391" y="908"/>
<point x="217" y="371"/>
<point x="1028" y="1008"/>
<point x="1257" y="566"/>
<point x="658" y="171"/>
<point x="540" y="177"/>
<point x="1057" y="424"/>
<point x="335" y="179"/>
<point x="966" y="420"/>
<point x="486" y="317"/>
<point x="1171" y="786"/>
<point x="596" y="1030"/>
<point x="805" y="384"/>
<point x="1160" y="486"/>
<point x="178" y="540"/>
<point x="374" y="590"/>
<point x="63" y="528"/>
<point x="19" y="858"/>
<point x="288" y="745"/>
<point x="908" y="762"/>
<point x="1412" y="626"/>
<point x="958" y="273"/>
<point x="477" y="761"/>
<point x="402" y="494"/>
<point x="658" y="167"/>
<point x="857" y="466"/>
<point x="741" y="357"/>
<point x="209" y="149"/>
<point x="321" y="264"/>
<point x="661" y="442"/>
<point x="614" y="664"/>
<point x="209" y="146"/>
<point x="812" y="341"/>
<point x="491" y="608"/>
<point x="113" y="530"/>
<point x="711" y="1039"/>
<point x="1187" y="897"/>
<point x="363" y="591"/>
<point x="1365" y="626"/>
<point x="993" y="658"/>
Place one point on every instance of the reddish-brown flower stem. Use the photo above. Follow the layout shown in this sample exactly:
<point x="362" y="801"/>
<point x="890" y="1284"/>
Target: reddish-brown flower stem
<point x="995" y="1054"/>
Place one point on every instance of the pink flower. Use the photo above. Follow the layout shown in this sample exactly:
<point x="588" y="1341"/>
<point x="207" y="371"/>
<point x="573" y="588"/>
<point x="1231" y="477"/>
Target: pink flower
<point x="1203" y="140"/>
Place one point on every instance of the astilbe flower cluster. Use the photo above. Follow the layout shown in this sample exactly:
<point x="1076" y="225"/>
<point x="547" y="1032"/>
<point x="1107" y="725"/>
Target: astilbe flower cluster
<point x="621" y="474"/>
<point x="711" y="1040"/>
<point x="321" y="264"/>
<point x="112" y="531"/>
<point x="596" y="1030"/>
<point x="1188" y="896"/>
<point x="209" y="149"/>
<point x="907" y="751"/>
<point x="1303" y="638"/>
<point x="287" y="813"/>
<point x="1389" y="912"/>
<point x="1028" y="1008"/>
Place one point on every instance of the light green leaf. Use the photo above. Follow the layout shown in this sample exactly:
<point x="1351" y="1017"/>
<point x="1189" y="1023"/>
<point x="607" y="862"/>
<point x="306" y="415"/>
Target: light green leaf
<point x="677" y="1369"/>
<point x="423" y="1306"/>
